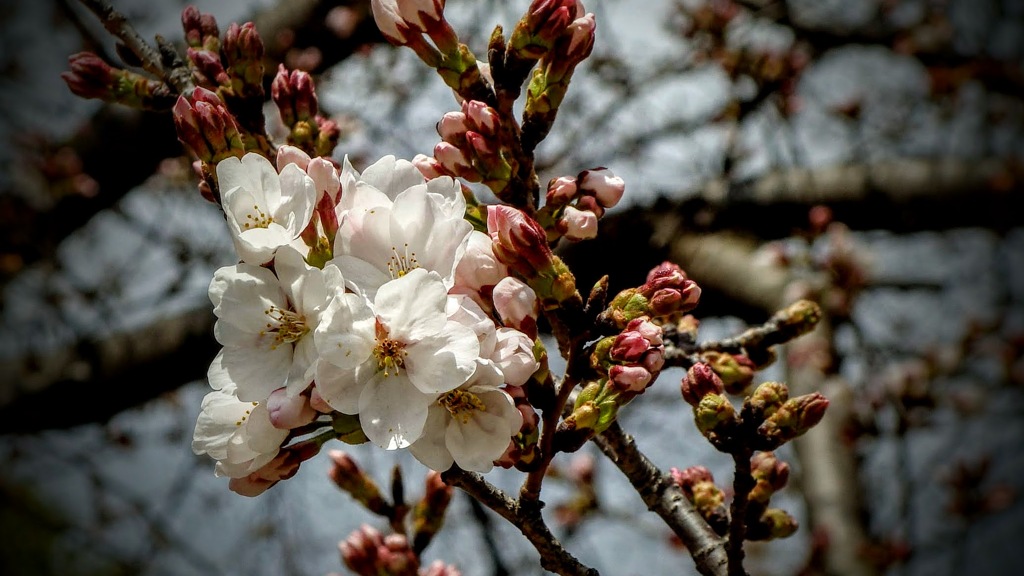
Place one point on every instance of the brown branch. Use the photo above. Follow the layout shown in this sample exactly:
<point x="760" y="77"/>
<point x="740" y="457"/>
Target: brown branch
<point x="119" y="27"/>
<point x="553" y="557"/>
<point x="666" y="499"/>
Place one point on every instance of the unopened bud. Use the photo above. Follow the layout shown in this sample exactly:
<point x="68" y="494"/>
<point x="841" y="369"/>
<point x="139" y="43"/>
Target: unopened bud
<point x="794" y="418"/>
<point x="687" y="477"/>
<point x="773" y="523"/>
<point x="561" y="191"/>
<point x="295" y="96"/>
<point x="716" y="419"/>
<point x="699" y="381"/>
<point x="289" y="412"/>
<point x="577" y="224"/>
<point x="428" y="513"/>
<point x="348" y="476"/>
<point x="735" y="370"/>
<point x="766" y="399"/>
<point x="770" y="475"/>
<point x="90" y="76"/>
<point x="452" y="128"/>
<point x="799" y="318"/>
<point x="600" y="183"/>
<point x="483" y="117"/>
<point x="634" y="379"/>
<point x="516" y="305"/>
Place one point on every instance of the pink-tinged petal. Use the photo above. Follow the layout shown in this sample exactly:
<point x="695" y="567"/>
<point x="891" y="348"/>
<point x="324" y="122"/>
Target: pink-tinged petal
<point x="444" y="360"/>
<point x="289" y="412"/>
<point x="298" y="199"/>
<point x="341" y="387"/>
<point x="431" y="449"/>
<point x="346" y="334"/>
<point x="392" y="176"/>
<point x="291" y="155"/>
<point x="257" y="371"/>
<point x="392" y="413"/>
<point x="476" y="444"/>
<point x="412" y="307"/>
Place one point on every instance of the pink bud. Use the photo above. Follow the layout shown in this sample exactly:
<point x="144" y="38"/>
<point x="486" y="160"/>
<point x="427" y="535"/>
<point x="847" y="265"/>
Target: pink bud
<point x="452" y="159"/>
<point x="516" y="304"/>
<point x="603" y="185"/>
<point x="483" y="117"/>
<point x="629" y="378"/>
<point x="629" y="346"/>
<point x="288" y="413"/>
<point x="578" y="224"/>
<point x="561" y="190"/>
<point x="519" y="241"/>
<point x="325" y="177"/>
<point x="452" y="128"/>
<point x="90" y="76"/>
<point x="699" y="381"/>
<point x="649" y="330"/>
<point x="428" y="166"/>
<point x="582" y="42"/>
<point x="513" y="354"/>
<point x="287" y="154"/>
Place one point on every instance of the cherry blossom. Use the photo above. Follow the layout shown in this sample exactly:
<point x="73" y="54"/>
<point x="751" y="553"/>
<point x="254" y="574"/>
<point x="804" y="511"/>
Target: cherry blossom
<point x="265" y="210"/>
<point x="389" y="358"/>
<point x="265" y="324"/>
<point x="237" y="434"/>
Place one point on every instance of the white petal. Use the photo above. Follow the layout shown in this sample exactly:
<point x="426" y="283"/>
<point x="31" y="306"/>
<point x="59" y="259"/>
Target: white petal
<point x="476" y="444"/>
<point x="443" y="361"/>
<point x="413" y="306"/>
<point x="298" y="198"/>
<point x="361" y="276"/>
<point x="218" y="375"/>
<point x="392" y="413"/>
<point x="256" y="371"/>
<point x="241" y="293"/>
<point x="303" y="369"/>
<point x="392" y="176"/>
<point x="431" y="449"/>
<point x="346" y="334"/>
<point x="258" y="245"/>
<point x="341" y="387"/>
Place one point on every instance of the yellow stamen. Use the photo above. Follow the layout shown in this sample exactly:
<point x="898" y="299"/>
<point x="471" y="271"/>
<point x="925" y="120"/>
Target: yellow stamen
<point x="461" y="404"/>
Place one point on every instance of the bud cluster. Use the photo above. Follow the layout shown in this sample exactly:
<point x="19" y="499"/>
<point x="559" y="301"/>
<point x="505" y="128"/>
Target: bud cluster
<point x="698" y="485"/>
<point x="368" y="552"/>
<point x="295" y="97"/>
<point x="574" y="205"/>
<point x="665" y="297"/>
<point x="471" y="146"/>
<point x="764" y="523"/>
<point x="520" y="243"/>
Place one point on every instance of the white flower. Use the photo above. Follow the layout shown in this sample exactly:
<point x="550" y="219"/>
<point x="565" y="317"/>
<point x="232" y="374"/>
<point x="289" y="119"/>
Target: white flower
<point x="470" y="426"/>
<point x="265" y="210"/>
<point x="392" y="220"/>
<point x="388" y="361"/>
<point x="238" y="435"/>
<point x="266" y="323"/>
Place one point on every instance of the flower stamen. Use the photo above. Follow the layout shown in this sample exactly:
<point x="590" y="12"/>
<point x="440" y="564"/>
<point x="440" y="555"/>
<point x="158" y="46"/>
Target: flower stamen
<point x="390" y="353"/>
<point x="260" y="220"/>
<point x="461" y="404"/>
<point x="287" y="326"/>
<point x="399" y="265"/>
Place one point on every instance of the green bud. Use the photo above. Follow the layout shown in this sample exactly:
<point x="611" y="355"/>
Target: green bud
<point x="766" y="399"/>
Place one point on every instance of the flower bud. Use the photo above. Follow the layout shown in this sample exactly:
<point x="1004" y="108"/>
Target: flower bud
<point x="577" y="224"/>
<point x="795" y="417"/>
<point x="634" y="379"/>
<point x="294" y="95"/>
<point x="798" y="318"/>
<point x="716" y="419"/>
<point x="687" y="477"/>
<point x="453" y="161"/>
<point x="518" y="241"/>
<point x="289" y="412"/>
<point x="600" y="183"/>
<point x="348" y="476"/>
<point x="735" y="370"/>
<point x="483" y="118"/>
<point x="452" y="128"/>
<point x="90" y="76"/>
<point x="205" y="126"/>
<point x="209" y="65"/>
<point x="428" y="513"/>
<point x="699" y="381"/>
<point x="428" y="166"/>
<point x="537" y="31"/>
<point x="766" y="399"/>
<point x="516" y="305"/>
<point x="439" y="568"/>
<point x="292" y="155"/>
<point x="200" y="29"/>
<point x="773" y="523"/>
<point x="709" y="500"/>
<point x="669" y="291"/>
<point x="561" y="191"/>
<point x="770" y="475"/>
<point x="581" y="38"/>
<point x="513" y="354"/>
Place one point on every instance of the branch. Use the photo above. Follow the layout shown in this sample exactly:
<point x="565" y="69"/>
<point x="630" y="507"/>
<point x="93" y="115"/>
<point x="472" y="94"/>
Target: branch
<point x="666" y="499"/>
<point x="553" y="557"/>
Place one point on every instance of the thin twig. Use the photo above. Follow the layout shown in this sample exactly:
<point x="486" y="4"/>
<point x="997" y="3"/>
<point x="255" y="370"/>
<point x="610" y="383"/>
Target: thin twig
<point x="666" y="499"/>
<point x="118" y="26"/>
<point x="527" y="518"/>
<point x="742" y="483"/>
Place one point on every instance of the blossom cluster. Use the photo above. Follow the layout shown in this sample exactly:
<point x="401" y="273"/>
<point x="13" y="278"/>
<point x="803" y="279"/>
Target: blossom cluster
<point x="362" y="294"/>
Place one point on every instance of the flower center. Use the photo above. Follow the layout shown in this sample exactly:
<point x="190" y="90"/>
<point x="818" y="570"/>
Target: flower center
<point x="390" y="353"/>
<point x="461" y="404"/>
<point x="258" y="220"/>
<point x="401" y="264"/>
<point x="287" y="326"/>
